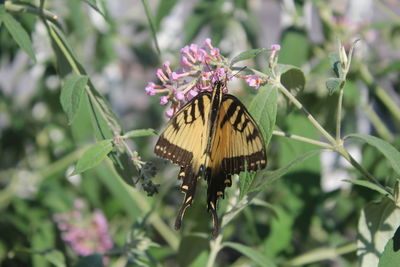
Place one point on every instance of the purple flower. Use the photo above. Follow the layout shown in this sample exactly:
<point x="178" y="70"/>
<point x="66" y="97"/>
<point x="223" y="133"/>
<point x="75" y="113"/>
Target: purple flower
<point x="169" y="113"/>
<point x="163" y="100"/>
<point x="253" y="81"/>
<point x="174" y="76"/>
<point x="205" y="76"/>
<point x="191" y="94"/>
<point x="179" y="95"/>
<point x="85" y="232"/>
<point x="276" y="47"/>
<point x="185" y="62"/>
<point x="215" y="52"/>
<point x="161" y="76"/>
<point x="150" y="88"/>
<point x="194" y="48"/>
<point x="167" y="68"/>
<point x="208" y="44"/>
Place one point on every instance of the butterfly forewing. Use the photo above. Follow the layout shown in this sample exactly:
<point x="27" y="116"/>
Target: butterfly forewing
<point x="184" y="136"/>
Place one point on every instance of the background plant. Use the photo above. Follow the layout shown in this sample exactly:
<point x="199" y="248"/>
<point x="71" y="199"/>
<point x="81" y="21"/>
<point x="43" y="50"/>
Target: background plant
<point x="72" y="78"/>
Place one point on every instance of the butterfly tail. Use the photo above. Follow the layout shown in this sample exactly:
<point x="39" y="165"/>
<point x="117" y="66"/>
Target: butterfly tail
<point x="188" y="187"/>
<point x="216" y="188"/>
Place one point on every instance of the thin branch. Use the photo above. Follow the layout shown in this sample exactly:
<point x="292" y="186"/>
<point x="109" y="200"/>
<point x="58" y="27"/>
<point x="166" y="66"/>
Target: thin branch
<point x="303" y="139"/>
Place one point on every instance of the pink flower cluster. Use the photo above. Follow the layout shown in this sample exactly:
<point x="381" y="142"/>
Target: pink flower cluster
<point x="85" y="233"/>
<point x="200" y="68"/>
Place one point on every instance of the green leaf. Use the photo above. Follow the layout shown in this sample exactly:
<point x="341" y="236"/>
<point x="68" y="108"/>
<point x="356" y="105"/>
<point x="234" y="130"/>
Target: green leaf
<point x="280" y="233"/>
<point x="55" y="257"/>
<point x="295" y="47"/>
<point x="256" y="256"/>
<point x="263" y="109"/>
<point x="391" y="154"/>
<point x="245" y="181"/>
<point x="391" y="253"/>
<point x="140" y="133"/>
<point x="19" y="34"/>
<point x="334" y="58"/>
<point x="93" y="4"/>
<point x="163" y="9"/>
<point x="71" y="94"/>
<point x="377" y="225"/>
<point x="334" y="84"/>
<point x="187" y="253"/>
<point x="65" y="55"/>
<point x="265" y="178"/>
<point x="93" y="156"/>
<point x="2" y="12"/>
<point x="291" y="77"/>
<point x="90" y="261"/>
<point x="369" y="185"/>
<point x="150" y="20"/>
<point x="248" y="55"/>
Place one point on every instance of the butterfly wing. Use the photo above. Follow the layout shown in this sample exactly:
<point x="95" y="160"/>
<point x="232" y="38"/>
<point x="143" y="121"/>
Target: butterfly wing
<point x="237" y="145"/>
<point x="183" y="142"/>
<point x="183" y="138"/>
<point x="242" y="141"/>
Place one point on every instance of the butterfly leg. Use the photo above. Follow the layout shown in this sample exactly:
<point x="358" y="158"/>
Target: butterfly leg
<point x="188" y="187"/>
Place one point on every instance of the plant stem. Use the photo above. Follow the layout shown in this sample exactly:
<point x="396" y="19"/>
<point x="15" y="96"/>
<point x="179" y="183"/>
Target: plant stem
<point x="215" y="247"/>
<point x="32" y="10"/>
<point x="321" y="254"/>
<point x="303" y="139"/>
<point x="342" y="151"/>
<point x="381" y="93"/>
<point x="313" y="121"/>
<point x="380" y="127"/>
<point x="339" y="114"/>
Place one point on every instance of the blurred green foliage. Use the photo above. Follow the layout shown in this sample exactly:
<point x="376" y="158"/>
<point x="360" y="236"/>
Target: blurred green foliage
<point x="304" y="215"/>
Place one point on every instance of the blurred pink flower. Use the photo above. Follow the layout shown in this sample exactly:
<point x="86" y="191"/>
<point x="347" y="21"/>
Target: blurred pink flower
<point x="86" y="233"/>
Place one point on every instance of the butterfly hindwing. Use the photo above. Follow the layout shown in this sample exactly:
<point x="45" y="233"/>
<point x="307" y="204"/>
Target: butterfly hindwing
<point x="188" y="187"/>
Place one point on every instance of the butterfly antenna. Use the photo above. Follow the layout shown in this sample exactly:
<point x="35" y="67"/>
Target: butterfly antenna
<point x="243" y="68"/>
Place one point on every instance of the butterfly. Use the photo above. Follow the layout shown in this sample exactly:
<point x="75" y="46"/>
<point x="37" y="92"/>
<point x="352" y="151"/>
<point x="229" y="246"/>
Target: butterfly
<point x="212" y="136"/>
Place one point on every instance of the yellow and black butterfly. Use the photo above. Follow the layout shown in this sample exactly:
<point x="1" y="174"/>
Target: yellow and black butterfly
<point x="212" y="136"/>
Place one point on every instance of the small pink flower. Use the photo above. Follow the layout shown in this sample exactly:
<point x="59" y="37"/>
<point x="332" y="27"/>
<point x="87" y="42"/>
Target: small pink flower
<point x="253" y="81"/>
<point x="202" y="55"/>
<point x="85" y="232"/>
<point x="167" y="67"/>
<point x="161" y="76"/>
<point x="194" y="48"/>
<point x="163" y="100"/>
<point x="191" y="94"/>
<point x="185" y="62"/>
<point x="276" y="47"/>
<point x="150" y="88"/>
<point x="204" y="86"/>
<point x="174" y="76"/>
<point x="169" y="113"/>
<point x="215" y="52"/>
<point x="208" y="44"/>
<point x="205" y="76"/>
<point x="186" y="52"/>
<point x="179" y="95"/>
<point x="220" y="73"/>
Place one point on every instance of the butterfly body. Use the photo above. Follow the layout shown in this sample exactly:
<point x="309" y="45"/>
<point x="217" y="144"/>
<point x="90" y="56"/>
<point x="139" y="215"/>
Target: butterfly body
<point x="213" y="136"/>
